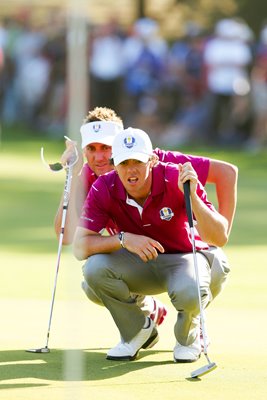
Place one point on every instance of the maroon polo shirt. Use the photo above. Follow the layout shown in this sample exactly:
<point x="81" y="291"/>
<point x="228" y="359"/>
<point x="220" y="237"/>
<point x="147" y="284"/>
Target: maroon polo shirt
<point x="162" y="218"/>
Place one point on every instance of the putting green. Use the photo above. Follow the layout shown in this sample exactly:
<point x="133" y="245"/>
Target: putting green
<point x="81" y="332"/>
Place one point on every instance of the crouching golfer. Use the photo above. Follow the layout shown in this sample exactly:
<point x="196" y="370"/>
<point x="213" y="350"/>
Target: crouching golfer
<point x="152" y="253"/>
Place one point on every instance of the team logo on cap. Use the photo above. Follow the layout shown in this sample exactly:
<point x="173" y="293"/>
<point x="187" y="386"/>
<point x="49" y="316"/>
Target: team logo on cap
<point x="129" y="142"/>
<point x="96" y="127"/>
<point x="166" y="214"/>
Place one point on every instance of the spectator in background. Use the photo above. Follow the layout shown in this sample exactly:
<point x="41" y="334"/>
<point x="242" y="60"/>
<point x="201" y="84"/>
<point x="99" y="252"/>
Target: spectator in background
<point x="228" y="58"/>
<point x="33" y="81"/>
<point x="145" y="53"/>
<point x="53" y="110"/>
<point x="34" y="73"/>
<point x="32" y="70"/>
<point x="3" y="37"/>
<point x="12" y="29"/>
<point x="258" y="137"/>
<point x="106" y="66"/>
<point x="186" y="88"/>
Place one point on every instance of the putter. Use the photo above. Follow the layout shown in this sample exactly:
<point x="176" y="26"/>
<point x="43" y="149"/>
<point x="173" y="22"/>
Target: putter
<point x="211" y="365"/>
<point x="55" y="168"/>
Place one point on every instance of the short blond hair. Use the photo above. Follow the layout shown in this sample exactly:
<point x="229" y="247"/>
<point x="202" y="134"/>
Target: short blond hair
<point x="102" y="114"/>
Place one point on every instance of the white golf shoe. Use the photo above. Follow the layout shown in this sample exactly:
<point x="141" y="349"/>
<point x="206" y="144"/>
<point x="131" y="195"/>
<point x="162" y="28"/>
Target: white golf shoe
<point x="128" y="351"/>
<point x="187" y="354"/>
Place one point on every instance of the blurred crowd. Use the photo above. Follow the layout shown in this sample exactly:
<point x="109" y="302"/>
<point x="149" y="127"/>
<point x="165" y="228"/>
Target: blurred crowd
<point x="204" y="87"/>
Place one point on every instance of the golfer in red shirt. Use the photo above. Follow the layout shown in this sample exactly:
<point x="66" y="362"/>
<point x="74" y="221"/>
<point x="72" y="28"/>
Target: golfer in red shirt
<point x="153" y="252"/>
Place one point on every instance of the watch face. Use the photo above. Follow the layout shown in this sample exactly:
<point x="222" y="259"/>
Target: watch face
<point x="121" y="238"/>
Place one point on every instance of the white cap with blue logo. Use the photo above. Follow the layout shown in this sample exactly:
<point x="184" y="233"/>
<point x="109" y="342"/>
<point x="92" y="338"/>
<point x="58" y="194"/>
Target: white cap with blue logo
<point x="133" y="144"/>
<point x="99" y="132"/>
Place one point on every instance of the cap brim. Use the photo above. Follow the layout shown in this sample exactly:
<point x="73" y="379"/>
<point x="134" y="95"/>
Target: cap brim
<point x="130" y="156"/>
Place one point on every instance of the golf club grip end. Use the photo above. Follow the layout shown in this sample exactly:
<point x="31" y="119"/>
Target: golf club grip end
<point x="188" y="203"/>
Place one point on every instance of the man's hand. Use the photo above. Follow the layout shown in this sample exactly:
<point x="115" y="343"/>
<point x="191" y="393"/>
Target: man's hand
<point x="145" y="247"/>
<point x="187" y="173"/>
<point x="70" y="154"/>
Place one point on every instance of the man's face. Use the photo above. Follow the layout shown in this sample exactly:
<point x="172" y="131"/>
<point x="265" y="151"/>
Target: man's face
<point x="136" y="177"/>
<point x="98" y="155"/>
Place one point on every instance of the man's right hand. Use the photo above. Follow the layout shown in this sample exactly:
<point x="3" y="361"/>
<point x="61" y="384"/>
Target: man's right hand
<point x="145" y="247"/>
<point x="70" y="154"/>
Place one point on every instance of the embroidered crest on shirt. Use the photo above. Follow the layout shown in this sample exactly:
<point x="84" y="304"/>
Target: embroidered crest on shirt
<point x="129" y="142"/>
<point x="166" y="214"/>
<point x="96" y="127"/>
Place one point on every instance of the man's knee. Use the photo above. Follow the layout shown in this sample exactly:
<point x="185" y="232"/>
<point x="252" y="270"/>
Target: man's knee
<point x="95" y="270"/>
<point x="90" y="293"/>
<point x="185" y="297"/>
<point x="219" y="272"/>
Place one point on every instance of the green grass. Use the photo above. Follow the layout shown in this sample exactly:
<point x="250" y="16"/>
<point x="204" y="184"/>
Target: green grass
<point x="81" y="332"/>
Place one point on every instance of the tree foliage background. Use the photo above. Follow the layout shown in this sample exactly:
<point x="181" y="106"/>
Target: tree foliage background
<point x="173" y="14"/>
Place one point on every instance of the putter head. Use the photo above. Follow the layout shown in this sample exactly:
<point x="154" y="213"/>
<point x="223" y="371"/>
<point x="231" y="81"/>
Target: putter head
<point x="41" y="350"/>
<point x="203" y="370"/>
<point x="56" y="167"/>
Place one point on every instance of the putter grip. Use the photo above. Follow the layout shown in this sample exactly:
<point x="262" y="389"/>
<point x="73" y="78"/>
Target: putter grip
<point x="188" y="203"/>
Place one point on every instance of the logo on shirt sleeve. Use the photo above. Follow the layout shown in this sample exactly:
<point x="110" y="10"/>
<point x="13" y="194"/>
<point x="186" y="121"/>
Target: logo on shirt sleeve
<point x="166" y="214"/>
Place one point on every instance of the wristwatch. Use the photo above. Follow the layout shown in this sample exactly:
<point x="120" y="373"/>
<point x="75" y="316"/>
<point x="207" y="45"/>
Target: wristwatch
<point x="121" y="239"/>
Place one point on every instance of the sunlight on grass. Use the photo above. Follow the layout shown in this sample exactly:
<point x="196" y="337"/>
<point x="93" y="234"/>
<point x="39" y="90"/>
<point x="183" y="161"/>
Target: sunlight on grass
<point x="28" y="168"/>
<point x="24" y="362"/>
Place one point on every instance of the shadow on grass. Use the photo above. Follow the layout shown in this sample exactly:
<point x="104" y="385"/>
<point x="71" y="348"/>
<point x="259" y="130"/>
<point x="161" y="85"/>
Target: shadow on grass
<point x="20" y="385"/>
<point x="69" y="365"/>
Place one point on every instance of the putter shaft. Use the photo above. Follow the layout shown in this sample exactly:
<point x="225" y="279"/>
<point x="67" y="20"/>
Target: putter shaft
<point x="211" y="365"/>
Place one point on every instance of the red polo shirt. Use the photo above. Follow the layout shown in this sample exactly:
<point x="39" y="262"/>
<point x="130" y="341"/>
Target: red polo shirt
<point x="162" y="218"/>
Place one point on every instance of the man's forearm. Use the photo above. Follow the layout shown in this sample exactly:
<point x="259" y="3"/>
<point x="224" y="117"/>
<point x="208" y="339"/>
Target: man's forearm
<point x="224" y="176"/>
<point x="85" y="245"/>
<point x="212" y="227"/>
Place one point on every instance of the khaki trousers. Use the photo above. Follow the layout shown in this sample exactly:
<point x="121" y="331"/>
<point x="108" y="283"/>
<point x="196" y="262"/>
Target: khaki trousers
<point x="112" y="278"/>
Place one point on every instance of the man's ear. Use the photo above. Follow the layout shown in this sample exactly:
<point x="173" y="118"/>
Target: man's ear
<point x="154" y="160"/>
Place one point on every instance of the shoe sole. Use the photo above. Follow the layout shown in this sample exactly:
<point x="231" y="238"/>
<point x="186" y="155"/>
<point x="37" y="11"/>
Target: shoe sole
<point x="151" y="341"/>
<point x="186" y="361"/>
<point x="123" y="358"/>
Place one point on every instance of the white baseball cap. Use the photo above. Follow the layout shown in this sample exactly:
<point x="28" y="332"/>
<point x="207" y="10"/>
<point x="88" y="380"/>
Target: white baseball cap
<point x="133" y="144"/>
<point x="99" y="132"/>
